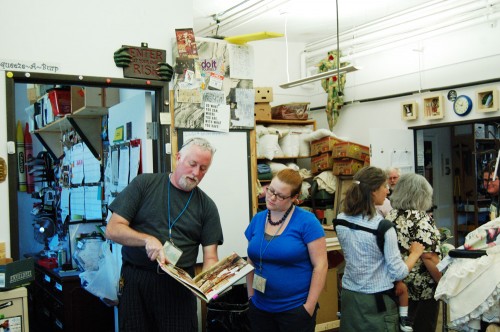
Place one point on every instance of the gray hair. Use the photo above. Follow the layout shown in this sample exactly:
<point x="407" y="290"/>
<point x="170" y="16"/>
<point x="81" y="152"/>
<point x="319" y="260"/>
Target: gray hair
<point x="412" y="192"/>
<point x="392" y="169"/>
<point x="200" y="142"/>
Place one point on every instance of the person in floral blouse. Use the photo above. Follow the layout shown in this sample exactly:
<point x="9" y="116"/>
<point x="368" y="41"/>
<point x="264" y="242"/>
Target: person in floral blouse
<point x="411" y="198"/>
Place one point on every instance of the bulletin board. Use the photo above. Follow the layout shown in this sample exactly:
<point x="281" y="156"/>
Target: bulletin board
<point x="228" y="183"/>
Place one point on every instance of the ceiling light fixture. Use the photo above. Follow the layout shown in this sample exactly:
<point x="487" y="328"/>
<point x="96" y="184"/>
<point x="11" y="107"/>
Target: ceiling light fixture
<point x="317" y="77"/>
<point x="334" y="72"/>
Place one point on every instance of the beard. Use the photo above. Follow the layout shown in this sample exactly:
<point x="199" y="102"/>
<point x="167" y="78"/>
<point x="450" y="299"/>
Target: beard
<point x="187" y="183"/>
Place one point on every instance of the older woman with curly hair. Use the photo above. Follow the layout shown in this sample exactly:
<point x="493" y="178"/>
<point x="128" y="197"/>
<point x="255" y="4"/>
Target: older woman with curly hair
<point x="411" y="198"/>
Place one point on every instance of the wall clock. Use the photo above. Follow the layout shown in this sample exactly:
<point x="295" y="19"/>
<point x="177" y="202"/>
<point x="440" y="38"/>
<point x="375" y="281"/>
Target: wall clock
<point x="462" y="105"/>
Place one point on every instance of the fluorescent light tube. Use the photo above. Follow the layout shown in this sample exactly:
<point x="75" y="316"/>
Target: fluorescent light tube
<point x="319" y="76"/>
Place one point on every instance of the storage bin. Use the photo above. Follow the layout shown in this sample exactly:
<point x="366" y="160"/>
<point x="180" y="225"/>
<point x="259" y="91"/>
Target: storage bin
<point x="292" y="111"/>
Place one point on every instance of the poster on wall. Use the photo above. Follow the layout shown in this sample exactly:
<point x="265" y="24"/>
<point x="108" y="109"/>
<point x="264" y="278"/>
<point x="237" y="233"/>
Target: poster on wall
<point x="207" y="79"/>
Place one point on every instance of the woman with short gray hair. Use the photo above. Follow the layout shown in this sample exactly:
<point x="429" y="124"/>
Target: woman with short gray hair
<point x="411" y="198"/>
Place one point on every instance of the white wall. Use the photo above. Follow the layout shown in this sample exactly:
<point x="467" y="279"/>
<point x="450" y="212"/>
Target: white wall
<point x="463" y="56"/>
<point x="79" y="39"/>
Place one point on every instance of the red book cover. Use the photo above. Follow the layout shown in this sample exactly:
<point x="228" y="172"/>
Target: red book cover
<point x="186" y="43"/>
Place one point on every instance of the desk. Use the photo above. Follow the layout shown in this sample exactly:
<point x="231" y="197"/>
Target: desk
<point x="327" y="318"/>
<point x="59" y="303"/>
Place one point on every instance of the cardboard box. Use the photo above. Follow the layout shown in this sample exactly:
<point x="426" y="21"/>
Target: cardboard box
<point x="293" y="111"/>
<point x="263" y="95"/>
<point x="324" y="144"/>
<point x="17" y="273"/>
<point x="262" y="111"/>
<point x="347" y="166"/>
<point x="350" y="150"/>
<point x="93" y="98"/>
<point x="322" y="162"/>
<point x="328" y="299"/>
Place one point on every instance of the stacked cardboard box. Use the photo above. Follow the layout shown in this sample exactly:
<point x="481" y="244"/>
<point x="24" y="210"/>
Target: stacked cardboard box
<point x="321" y="162"/>
<point x="263" y="97"/>
<point x="349" y="158"/>
<point x="323" y="145"/>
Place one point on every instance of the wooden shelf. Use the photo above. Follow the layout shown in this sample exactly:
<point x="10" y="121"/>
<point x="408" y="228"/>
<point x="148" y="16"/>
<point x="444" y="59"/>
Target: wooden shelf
<point x="85" y="121"/>
<point x="290" y="122"/>
<point x="88" y="106"/>
<point x="255" y="160"/>
<point x="465" y="228"/>
<point x="281" y="158"/>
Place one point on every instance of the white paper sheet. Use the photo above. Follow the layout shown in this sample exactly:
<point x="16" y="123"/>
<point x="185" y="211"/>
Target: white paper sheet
<point x="93" y="202"/>
<point x="241" y="64"/>
<point x="77" y="203"/>
<point x="216" y="117"/>
<point x="64" y="203"/>
<point x="77" y="164"/>
<point x="91" y="167"/>
<point x="115" y="169"/>
<point x="135" y="161"/>
<point x="124" y="166"/>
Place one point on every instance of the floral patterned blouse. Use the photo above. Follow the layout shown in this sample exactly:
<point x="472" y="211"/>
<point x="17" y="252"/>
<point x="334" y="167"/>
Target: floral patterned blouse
<point x="414" y="225"/>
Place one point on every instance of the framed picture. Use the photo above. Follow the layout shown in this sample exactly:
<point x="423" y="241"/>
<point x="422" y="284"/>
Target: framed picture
<point x="487" y="100"/>
<point x="409" y="110"/>
<point x="433" y="107"/>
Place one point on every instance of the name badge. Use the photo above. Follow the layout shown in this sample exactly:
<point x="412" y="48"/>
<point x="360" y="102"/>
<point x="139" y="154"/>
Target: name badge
<point x="172" y="253"/>
<point x="259" y="283"/>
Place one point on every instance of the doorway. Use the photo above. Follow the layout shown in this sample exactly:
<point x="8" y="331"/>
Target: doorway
<point x="452" y="159"/>
<point x="16" y="90"/>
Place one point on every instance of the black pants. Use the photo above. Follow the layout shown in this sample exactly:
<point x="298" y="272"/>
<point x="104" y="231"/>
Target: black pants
<point x="153" y="301"/>
<point x="297" y="320"/>
<point x="424" y="314"/>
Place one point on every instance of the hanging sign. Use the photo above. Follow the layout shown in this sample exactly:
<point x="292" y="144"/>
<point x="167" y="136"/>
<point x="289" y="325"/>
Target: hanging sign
<point x="141" y="62"/>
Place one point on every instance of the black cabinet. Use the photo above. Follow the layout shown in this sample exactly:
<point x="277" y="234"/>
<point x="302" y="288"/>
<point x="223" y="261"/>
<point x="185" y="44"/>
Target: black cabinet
<point x="59" y="303"/>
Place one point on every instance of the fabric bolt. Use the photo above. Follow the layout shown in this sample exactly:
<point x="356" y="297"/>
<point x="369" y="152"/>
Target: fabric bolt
<point x="263" y="168"/>
<point x="367" y="270"/>
<point x="284" y="256"/>
<point x="327" y="181"/>
<point x="147" y="292"/>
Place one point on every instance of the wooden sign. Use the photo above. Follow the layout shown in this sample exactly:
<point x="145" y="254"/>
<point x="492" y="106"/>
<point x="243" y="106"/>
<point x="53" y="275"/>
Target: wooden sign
<point x="144" y="62"/>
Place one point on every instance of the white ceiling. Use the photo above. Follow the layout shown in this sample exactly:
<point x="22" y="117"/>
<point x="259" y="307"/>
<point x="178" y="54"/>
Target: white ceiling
<point x="302" y="20"/>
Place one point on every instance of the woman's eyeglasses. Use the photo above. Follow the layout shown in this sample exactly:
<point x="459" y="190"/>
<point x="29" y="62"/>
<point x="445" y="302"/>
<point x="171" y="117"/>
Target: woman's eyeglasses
<point x="271" y="192"/>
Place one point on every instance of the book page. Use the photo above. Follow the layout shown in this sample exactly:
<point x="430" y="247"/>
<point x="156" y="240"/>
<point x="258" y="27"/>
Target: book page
<point x="222" y="275"/>
<point x="182" y="276"/>
<point x="209" y="284"/>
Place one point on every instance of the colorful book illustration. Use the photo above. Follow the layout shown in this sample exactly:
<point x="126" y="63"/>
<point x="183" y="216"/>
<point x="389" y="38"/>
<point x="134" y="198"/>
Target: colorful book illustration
<point x="209" y="284"/>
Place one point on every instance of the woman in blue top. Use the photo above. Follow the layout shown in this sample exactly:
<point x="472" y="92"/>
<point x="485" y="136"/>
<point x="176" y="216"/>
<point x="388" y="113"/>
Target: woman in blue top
<point x="287" y="247"/>
<point x="367" y="298"/>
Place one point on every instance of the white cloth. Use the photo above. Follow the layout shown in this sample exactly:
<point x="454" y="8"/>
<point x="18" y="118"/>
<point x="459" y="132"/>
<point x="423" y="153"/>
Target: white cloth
<point x="327" y="181"/>
<point x="471" y="287"/>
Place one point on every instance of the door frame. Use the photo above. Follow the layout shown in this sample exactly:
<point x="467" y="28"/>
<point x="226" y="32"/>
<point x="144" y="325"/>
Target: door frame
<point x="161" y="104"/>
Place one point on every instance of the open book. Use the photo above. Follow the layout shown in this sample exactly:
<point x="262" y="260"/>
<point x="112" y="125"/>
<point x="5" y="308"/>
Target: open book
<point x="214" y="281"/>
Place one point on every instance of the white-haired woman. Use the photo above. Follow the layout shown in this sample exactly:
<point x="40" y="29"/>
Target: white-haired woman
<point x="411" y="198"/>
